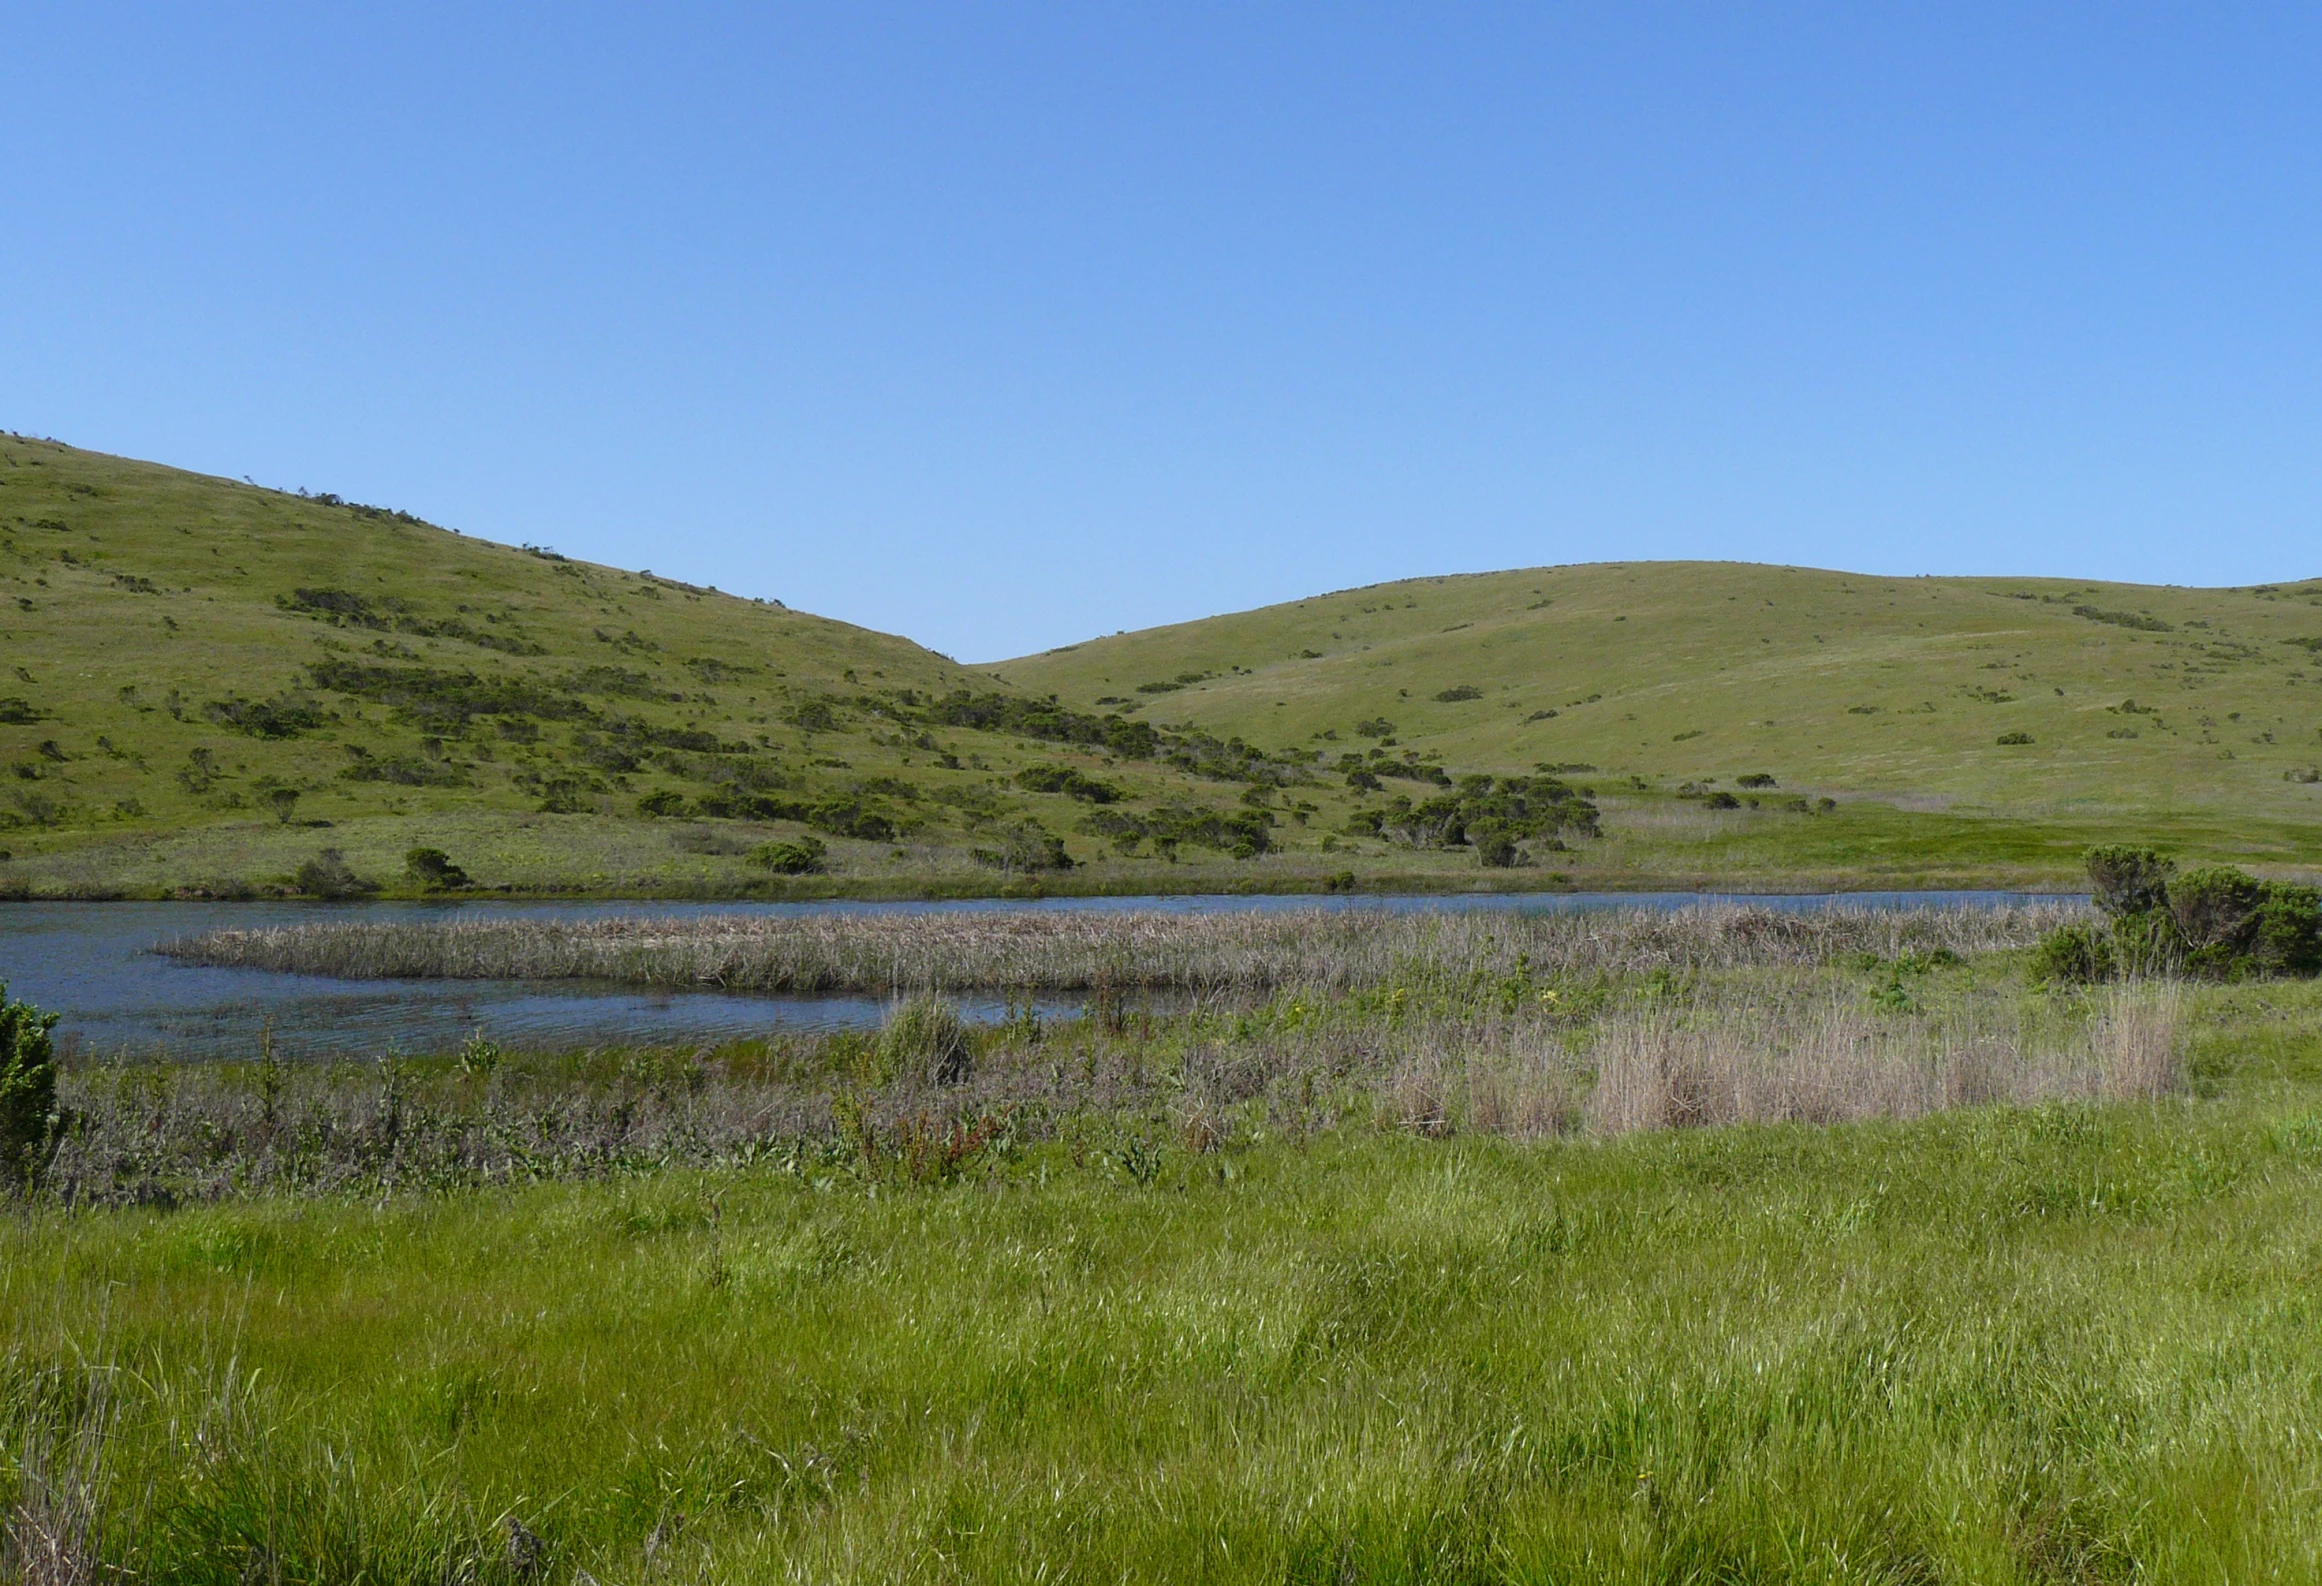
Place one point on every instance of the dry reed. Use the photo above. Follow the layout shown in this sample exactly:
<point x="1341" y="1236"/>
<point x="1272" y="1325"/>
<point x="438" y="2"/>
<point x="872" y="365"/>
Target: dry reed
<point x="1234" y="953"/>
<point x="51" y="1537"/>
<point x="1835" y="1062"/>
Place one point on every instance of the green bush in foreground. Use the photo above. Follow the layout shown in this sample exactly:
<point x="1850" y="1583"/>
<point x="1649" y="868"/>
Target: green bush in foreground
<point x="2215" y="923"/>
<point x="28" y="1111"/>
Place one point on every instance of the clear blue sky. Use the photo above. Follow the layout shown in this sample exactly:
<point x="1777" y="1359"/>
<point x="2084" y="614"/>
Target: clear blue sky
<point x="1001" y="326"/>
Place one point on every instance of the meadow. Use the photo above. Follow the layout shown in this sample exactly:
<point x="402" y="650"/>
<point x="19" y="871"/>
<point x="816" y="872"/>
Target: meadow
<point x="1492" y="1249"/>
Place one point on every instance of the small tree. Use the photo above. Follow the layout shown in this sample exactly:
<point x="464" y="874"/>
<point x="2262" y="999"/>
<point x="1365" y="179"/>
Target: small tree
<point x="28" y="1112"/>
<point x="284" y="802"/>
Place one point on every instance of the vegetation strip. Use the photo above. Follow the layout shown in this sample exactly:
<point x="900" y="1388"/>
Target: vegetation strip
<point x="1227" y="951"/>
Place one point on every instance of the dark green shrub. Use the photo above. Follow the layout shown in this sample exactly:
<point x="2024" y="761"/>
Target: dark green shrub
<point x="2014" y="737"/>
<point x="850" y="817"/>
<point x="2075" y="955"/>
<point x="662" y="802"/>
<point x="1069" y="782"/>
<point x="1376" y="727"/>
<point x="328" y="875"/>
<point x="1755" y="779"/>
<point x="1028" y="846"/>
<point x="433" y="870"/>
<point x="1722" y="800"/>
<point x="1452" y="696"/>
<point x="280" y="717"/>
<point x="2128" y="880"/>
<point x="1496" y="850"/>
<point x="800" y="858"/>
<point x="2288" y="937"/>
<point x="2215" y="911"/>
<point x="28" y="1111"/>
<point x="2147" y="943"/>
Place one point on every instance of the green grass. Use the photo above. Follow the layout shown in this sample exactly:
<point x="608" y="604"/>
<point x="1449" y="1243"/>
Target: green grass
<point x="2059" y="1344"/>
<point x="1989" y="1347"/>
<point x="177" y="656"/>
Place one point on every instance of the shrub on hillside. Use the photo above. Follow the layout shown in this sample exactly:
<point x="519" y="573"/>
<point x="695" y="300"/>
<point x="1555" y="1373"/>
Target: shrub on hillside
<point x="1069" y="782"/>
<point x="1496" y="850"/>
<point x="1463" y="691"/>
<point x="434" y="871"/>
<point x="1026" y="846"/>
<point x="328" y="875"/>
<point x="801" y="857"/>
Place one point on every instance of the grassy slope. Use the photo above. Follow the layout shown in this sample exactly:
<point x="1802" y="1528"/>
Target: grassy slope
<point x="138" y="596"/>
<point x="2060" y="1345"/>
<point x="1832" y="682"/>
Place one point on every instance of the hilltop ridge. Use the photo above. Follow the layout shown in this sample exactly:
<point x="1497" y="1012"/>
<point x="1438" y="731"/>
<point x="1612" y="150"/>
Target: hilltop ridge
<point x="2126" y="697"/>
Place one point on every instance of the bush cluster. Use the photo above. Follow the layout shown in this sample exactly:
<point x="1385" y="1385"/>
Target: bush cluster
<point x="2214" y="923"/>
<point x="1069" y="782"/>
<point x="1491" y="814"/>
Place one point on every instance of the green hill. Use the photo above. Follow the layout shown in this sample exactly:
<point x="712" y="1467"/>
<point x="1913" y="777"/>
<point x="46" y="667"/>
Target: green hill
<point x="205" y="685"/>
<point x="2026" y="706"/>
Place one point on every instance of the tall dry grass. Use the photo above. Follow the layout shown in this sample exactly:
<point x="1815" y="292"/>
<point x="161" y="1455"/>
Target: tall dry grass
<point x="1835" y="1062"/>
<point x="1231" y="953"/>
<point x="53" y="1532"/>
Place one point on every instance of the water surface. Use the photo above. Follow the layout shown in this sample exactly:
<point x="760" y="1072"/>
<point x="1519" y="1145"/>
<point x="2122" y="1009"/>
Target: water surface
<point x="94" y="964"/>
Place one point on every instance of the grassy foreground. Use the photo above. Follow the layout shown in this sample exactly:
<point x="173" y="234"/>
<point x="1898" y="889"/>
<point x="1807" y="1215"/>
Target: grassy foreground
<point x="2067" y="1342"/>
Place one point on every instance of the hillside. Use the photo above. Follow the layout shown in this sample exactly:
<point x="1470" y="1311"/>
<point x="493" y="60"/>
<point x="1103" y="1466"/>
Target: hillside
<point x="203" y="684"/>
<point x="212" y="689"/>
<point x="2008" y="703"/>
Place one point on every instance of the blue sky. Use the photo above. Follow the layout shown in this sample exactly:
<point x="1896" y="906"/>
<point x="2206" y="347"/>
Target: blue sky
<point x="1001" y="326"/>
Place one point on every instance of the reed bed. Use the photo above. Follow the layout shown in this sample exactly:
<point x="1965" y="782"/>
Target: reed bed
<point x="930" y="1097"/>
<point x="1236" y="953"/>
<point x="1833" y="1061"/>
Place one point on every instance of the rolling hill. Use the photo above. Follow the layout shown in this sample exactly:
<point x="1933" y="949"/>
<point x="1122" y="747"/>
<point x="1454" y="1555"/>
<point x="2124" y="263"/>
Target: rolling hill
<point x="2014" y="698"/>
<point x="212" y="689"/>
<point x="203" y="684"/>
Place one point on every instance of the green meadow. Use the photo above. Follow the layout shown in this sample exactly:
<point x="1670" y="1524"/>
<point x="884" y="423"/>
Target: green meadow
<point x="1340" y="1332"/>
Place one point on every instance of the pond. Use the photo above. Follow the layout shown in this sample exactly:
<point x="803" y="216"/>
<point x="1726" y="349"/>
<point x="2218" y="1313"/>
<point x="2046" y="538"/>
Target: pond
<point x="93" y="963"/>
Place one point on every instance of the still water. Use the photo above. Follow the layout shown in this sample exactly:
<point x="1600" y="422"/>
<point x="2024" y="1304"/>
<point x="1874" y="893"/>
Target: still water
<point x="94" y="963"/>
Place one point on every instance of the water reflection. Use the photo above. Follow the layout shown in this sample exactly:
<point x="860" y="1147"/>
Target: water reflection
<point x="92" y="962"/>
